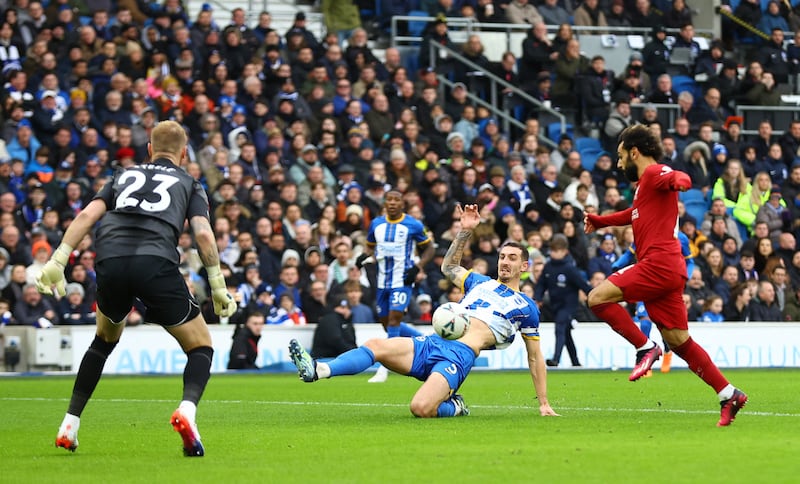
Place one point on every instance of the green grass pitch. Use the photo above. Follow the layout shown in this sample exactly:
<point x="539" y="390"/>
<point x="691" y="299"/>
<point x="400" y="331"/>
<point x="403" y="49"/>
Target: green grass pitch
<point x="272" y="428"/>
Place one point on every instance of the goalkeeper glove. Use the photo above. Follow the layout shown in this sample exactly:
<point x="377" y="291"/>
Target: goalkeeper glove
<point x="224" y="305"/>
<point x="361" y="260"/>
<point x="53" y="272"/>
<point x="411" y="275"/>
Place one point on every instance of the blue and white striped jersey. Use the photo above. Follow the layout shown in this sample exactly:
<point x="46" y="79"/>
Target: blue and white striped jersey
<point x="394" y="243"/>
<point x="503" y="309"/>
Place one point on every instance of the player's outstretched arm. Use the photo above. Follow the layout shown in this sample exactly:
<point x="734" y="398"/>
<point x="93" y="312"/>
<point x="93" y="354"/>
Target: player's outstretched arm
<point x="451" y="264"/>
<point x="538" y="370"/>
<point x="592" y="221"/>
<point x="224" y="305"/>
<point x="52" y="274"/>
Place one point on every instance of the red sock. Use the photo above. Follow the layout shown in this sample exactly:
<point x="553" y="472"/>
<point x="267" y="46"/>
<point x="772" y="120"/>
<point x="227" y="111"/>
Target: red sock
<point x="620" y="321"/>
<point x="700" y="363"/>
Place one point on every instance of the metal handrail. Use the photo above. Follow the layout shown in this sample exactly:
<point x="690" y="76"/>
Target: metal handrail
<point x="471" y="26"/>
<point x="507" y="118"/>
<point x="255" y="7"/>
<point x="495" y="81"/>
<point x="672" y="110"/>
<point x="767" y="111"/>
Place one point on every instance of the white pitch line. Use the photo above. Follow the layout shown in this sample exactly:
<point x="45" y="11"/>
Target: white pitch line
<point x="403" y="405"/>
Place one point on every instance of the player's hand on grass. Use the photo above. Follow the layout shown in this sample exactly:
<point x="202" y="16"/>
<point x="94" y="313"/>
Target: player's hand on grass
<point x="470" y="217"/>
<point x="545" y="410"/>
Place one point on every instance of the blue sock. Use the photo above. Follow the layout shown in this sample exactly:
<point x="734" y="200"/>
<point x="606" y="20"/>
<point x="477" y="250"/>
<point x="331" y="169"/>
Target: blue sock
<point x="446" y="409"/>
<point x="408" y="330"/>
<point x="352" y="362"/>
<point x="645" y="325"/>
<point x="393" y="331"/>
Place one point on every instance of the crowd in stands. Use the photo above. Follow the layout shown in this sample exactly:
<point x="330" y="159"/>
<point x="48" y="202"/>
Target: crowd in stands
<point x="297" y="139"/>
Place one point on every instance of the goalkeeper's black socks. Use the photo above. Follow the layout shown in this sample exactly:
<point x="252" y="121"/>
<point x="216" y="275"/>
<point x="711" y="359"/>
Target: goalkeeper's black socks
<point x="197" y="373"/>
<point x="89" y="374"/>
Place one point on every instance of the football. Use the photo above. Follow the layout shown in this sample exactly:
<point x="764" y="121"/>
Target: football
<point x="450" y="320"/>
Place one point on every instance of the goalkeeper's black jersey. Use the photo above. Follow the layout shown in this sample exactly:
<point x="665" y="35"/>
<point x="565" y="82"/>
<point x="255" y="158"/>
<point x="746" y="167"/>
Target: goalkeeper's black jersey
<point x="147" y="207"/>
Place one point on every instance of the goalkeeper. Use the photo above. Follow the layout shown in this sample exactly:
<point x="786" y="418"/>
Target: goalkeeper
<point x="141" y="213"/>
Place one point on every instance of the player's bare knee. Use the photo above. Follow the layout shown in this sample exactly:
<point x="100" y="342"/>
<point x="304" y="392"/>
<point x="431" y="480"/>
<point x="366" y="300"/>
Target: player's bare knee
<point x="606" y="292"/>
<point x="421" y="409"/>
<point x="675" y="337"/>
<point x="109" y="334"/>
<point x="594" y="298"/>
<point x="375" y="345"/>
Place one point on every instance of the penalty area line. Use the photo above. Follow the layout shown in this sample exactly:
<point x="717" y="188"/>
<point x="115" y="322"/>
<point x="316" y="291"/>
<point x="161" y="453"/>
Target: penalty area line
<point x="403" y="405"/>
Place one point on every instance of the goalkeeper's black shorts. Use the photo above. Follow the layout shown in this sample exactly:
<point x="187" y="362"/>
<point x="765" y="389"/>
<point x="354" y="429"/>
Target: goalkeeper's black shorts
<point x="155" y="281"/>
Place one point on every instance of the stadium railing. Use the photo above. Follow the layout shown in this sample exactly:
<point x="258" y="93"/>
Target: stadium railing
<point x="780" y="117"/>
<point x="615" y="44"/>
<point x="667" y="113"/>
<point x="496" y="86"/>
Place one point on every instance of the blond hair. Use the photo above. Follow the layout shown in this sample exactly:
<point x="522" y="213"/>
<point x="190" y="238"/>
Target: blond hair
<point x="756" y="193"/>
<point x="168" y="138"/>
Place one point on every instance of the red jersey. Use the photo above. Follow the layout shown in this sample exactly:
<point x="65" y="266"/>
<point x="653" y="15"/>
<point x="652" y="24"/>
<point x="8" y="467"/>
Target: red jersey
<point x="654" y="216"/>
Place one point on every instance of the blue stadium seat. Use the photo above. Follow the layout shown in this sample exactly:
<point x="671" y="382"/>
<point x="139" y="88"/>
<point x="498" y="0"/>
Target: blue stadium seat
<point x="416" y="27"/>
<point x="586" y="143"/>
<point x="692" y="195"/>
<point x="743" y="232"/>
<point x="367" y="13"/>
<point x="695" y="203"/>
<point x="589" y="157"/>
<point x="685" y="83"/>
<point x="554" y="131"/>
<point x="409" y="55"/>
<point x="519" y="112"/>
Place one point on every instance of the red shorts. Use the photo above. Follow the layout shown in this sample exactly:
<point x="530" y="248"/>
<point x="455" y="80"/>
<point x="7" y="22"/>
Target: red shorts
<point x="660" y="289"/>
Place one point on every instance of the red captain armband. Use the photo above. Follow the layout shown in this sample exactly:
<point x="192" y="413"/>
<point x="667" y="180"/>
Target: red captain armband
<point x="680" y="181"/>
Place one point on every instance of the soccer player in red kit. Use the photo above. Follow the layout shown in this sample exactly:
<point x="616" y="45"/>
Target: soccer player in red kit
<point x="656" y="279"/>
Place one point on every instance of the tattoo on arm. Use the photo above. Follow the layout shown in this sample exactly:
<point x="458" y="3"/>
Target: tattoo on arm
<point x="451" y="265"/>
<point x="206" y="242"/>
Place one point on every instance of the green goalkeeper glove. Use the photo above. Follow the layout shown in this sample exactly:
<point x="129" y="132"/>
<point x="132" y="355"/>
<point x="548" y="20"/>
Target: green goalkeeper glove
<point x="52" y="274"/>
<point x="224" y="305"/>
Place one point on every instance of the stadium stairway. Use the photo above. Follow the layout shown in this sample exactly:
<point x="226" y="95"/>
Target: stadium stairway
<point x="282" y="12"/>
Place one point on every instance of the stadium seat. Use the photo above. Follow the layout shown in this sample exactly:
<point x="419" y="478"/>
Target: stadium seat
<point x="743" y="232"/>
<point x="695" y="202"/>
<point x="588" y="144"/>
<point x="519" y="112"/>
<point x="680" y="56"/>
<point x="685" y="83"/>
<point x="554" y="131"/>
<point x="409" y="56"/>
<point x="369" y="11"/>
<point x="589" y="157"/>
<point x="416" y="27"/>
